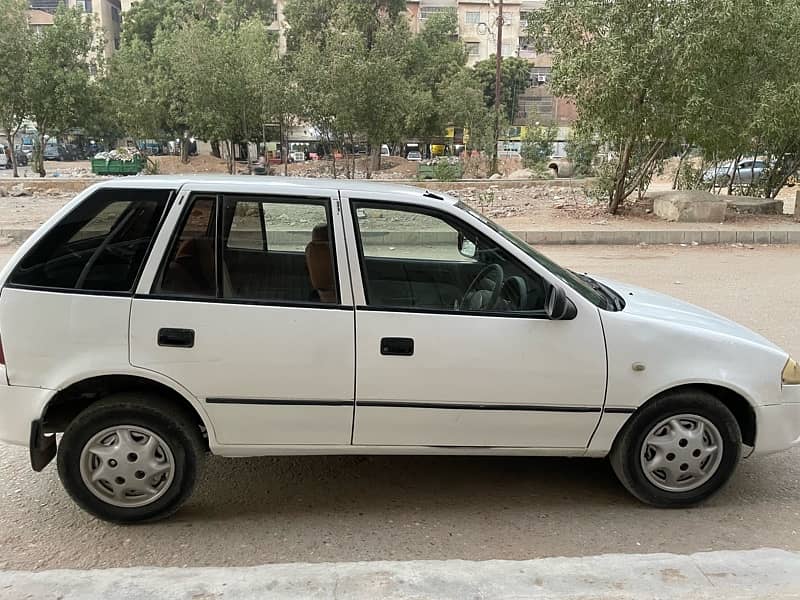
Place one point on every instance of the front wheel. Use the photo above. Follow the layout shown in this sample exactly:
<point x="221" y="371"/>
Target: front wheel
<point x="678" y="449"/>
<point x="130" y="458"/>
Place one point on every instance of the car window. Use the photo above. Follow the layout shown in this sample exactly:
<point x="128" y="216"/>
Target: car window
<point x="190" y="268"/>
<point x="413" y="258"/>
<point x="271" y="250"/>
<point x="99" y="246"/>
<point x="247" y="231"/>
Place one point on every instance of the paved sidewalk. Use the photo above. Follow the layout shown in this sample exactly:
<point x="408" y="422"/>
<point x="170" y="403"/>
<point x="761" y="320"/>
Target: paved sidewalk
<point x="744" y="575"/>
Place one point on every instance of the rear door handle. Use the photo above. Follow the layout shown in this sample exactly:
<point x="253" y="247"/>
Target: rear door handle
<point x="176" y="338"/>
<point x="397" y="346"/>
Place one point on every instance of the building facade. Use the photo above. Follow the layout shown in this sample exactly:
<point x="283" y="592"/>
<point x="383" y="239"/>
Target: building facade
<point x="107" y="17"/>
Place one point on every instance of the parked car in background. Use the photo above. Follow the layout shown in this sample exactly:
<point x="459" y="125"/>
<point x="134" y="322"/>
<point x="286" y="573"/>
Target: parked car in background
<point x="151" y="147"/>
<point x="54" y="150"/>
<point x="385" y="150"/>
<point x="5" y="163"/>
<point x="747" y="171"/>
<point x="26" y="146"/>
<point x="414" y="155"/>
<point x="22" y="158"/>
<point x="155" y="319"/>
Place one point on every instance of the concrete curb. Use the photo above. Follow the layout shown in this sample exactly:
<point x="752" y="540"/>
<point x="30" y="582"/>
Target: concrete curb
<point x="744" y="575"/>
<point x="544" y="238"/>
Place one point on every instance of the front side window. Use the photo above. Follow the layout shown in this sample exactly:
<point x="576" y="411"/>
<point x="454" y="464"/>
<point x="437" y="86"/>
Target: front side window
<point x="580" y="285"/>
<point x="413" y="258"/>
<point x="99" y="246"/>
<point x="263" y="249"/>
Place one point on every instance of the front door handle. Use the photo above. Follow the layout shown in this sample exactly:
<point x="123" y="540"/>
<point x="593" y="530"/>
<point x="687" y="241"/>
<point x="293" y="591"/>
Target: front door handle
<point x="176" y="338"/>
<point x="397" y="346"/>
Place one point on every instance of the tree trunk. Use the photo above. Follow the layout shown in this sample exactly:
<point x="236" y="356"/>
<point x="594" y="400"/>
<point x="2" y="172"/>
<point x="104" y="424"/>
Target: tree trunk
<point x="646" y="167"/>
<point x="215" y="149"/>
<point x="284" y="136"/>
<point x="38" y="153"/>
<point x="797" y="206"/>
<point x="680" y="166"/>
<point x="374" y="161"/>
<point x="333" y="157"/>
<point x="733" y="174"/>
<point x="618" y="193"/>
<point x="185" y="147"/>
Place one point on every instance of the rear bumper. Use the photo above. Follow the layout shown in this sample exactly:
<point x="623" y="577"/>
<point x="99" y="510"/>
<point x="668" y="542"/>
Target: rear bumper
<point x="19" y="408"/>
<point x="778" y="425"/>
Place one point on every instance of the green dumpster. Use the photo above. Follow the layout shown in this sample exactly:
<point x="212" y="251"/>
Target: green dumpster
<point x="101" y="166"/>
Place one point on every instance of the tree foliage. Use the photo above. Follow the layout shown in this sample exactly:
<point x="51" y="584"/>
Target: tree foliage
<point x="15" y="46"/>
<point x="645" y="76"/>
<point x="60" y="94"/>
<point x="514" y="76"/>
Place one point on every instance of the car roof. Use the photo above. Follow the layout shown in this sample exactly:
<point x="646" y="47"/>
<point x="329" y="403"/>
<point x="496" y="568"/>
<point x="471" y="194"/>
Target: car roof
<point x="400" y="193"/>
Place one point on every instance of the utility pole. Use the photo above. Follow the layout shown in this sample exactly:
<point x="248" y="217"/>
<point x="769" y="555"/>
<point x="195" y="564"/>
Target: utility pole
<point x="497" y="80"/>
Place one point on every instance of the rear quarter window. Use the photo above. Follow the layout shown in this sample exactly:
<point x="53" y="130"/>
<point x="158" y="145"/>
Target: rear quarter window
<point x="99" y="246"/>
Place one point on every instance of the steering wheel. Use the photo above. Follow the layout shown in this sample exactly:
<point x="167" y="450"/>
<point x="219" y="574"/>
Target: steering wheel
<point x="476" y="298"/>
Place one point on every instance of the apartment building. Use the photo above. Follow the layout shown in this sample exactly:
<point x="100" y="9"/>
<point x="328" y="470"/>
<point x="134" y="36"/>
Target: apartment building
<point x="107" y="17"/>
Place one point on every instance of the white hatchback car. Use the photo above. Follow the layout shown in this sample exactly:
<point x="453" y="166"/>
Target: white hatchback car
<point x="155" y="318"/>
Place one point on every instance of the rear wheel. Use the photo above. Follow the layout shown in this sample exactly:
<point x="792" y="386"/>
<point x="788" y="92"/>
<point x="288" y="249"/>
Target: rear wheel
<point x="130" y="458"/>
<point x="678" y="449"/>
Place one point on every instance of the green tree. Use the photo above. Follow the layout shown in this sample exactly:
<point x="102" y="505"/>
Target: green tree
<point x="59" y="88"/>
<point x="625" y="64"/>
<point x="136" y="94"/>
<point x="15" y="44"/>
<point x="364" y="47"/>
<point x="215" y="86"/>
<point x="537" y="145"/>
<point x="514" y="77"/>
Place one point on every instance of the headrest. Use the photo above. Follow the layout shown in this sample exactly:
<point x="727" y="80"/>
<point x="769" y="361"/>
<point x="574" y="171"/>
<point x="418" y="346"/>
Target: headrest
<point x="320" y="233"/>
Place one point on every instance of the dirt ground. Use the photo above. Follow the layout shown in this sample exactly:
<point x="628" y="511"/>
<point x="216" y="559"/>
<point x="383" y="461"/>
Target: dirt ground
<point x="528" y="206"/>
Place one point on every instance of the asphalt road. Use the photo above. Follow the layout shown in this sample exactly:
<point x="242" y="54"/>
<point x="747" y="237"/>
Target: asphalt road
<point x="254" y="511"/>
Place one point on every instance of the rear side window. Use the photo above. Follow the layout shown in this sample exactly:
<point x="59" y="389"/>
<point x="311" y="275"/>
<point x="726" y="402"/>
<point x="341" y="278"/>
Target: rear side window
<point x="99" y="246"/>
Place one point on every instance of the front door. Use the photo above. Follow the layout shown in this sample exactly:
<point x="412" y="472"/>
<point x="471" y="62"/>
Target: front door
<point x="248" y="312"/>
<point x="453" y="345"/>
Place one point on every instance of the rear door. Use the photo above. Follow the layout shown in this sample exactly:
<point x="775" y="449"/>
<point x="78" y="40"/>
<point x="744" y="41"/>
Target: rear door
<point x="238" y="314"/>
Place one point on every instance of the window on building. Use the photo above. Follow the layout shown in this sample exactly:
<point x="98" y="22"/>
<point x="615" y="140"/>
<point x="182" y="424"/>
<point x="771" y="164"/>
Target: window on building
<point x="539" y="76"/>
<point x="473" y="48"/>
<point x="472" y="17"/>
<point x="87" y="6"/>
<point x="426" y="12"/>
<point x="508" y="50"/>
<point x="115" y="16"/>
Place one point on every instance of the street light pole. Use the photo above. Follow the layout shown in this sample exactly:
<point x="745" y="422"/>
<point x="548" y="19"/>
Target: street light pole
<point x="497" y="80"/>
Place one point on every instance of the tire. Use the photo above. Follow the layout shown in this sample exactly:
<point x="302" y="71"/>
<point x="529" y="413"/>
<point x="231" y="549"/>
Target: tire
<point x="655" y="422"/>
<point x="178" y="457"/>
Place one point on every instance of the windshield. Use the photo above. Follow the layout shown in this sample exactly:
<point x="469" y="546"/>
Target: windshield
<point x="574" y="281"/>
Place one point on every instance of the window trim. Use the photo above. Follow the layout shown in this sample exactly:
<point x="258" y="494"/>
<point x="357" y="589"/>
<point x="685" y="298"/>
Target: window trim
<point x="455" y="223"/>
<point x="165" y="210"/>
<point x="219" y="202"/>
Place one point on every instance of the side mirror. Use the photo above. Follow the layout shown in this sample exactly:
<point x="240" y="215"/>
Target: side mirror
<point x="466" y="247"/>
<point x="557" y="306"/>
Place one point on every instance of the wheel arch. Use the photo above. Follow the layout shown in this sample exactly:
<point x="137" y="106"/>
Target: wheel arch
<point x="74" y="398"/>
<point x="741" y="408"/>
